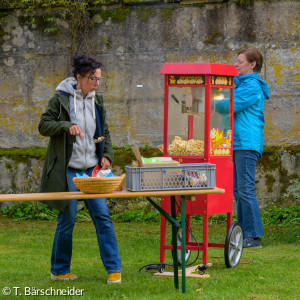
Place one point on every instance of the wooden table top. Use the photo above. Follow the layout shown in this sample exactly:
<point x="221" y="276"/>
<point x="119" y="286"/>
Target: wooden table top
<point x="117" y="194"/>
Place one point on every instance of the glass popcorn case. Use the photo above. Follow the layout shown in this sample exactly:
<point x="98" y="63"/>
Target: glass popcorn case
<point x="198" y="111"/>
<point x="198" y="123"/>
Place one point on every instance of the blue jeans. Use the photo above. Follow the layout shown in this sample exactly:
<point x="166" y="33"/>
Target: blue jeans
<point x="244" y="192"/>
<point x="62" y="244"/>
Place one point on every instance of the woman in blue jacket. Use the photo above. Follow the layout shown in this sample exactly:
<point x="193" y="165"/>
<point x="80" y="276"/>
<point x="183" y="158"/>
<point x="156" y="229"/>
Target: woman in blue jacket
<point x="249" y="96"/>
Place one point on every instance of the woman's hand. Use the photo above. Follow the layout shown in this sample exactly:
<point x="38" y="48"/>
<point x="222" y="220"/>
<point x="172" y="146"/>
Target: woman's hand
<point x="75" y="130"/>
<point x="105" y="163"/>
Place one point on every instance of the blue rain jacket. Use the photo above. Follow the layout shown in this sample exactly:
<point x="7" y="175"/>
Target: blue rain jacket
<point x="249" y="95"/>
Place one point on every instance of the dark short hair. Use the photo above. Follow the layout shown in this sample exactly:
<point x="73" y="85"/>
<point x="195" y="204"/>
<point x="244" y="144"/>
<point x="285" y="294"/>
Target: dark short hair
<point x="83" y="64"/>
<point x="252" y="55"/>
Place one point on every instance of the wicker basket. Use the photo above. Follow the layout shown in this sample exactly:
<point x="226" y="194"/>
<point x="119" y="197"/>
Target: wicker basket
<point x="98" y="185"/>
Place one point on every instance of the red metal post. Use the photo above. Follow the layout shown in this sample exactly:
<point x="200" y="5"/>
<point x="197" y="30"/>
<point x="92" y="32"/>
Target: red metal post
<point x="229" y="219"/>
<point x="207" y="119"/>
<point x="205" y="239"/>
<point x="162" y="238"/>
<point x="166" y="100"/>
<point x="191" y="127"/>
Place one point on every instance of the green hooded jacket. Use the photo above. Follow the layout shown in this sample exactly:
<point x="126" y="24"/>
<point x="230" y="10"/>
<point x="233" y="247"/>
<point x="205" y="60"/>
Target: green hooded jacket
<point x="55" y="123"/>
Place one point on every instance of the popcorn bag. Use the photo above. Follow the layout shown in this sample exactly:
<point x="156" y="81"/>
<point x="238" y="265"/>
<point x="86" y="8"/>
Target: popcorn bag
<point x="97" y="172"/>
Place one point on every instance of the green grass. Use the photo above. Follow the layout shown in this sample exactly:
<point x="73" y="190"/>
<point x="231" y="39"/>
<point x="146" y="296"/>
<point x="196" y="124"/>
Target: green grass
<point x="25" y="250"/>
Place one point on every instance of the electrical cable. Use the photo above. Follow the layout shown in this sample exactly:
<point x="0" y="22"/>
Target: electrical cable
<point x="198" y="252"/>
<point x="160" y="267"/>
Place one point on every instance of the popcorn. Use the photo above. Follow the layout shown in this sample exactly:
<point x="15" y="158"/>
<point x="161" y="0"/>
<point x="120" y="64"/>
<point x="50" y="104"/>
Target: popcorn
<point x="186" y="148"/>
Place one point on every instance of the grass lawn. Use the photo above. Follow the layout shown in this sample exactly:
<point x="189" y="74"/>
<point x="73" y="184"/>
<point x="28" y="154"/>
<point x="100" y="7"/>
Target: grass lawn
<point x="25" y="249"/>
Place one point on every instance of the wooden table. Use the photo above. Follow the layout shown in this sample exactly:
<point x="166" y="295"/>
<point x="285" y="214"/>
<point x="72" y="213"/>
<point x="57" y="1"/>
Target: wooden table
<point x="183" y="194"/>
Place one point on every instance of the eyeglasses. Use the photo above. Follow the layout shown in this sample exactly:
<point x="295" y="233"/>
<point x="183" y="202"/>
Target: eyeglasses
<point x="95" y="79"/>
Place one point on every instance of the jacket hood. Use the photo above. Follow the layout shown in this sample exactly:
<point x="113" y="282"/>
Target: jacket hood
<point x="263" y="84"/>
<point x="67" y="85"/>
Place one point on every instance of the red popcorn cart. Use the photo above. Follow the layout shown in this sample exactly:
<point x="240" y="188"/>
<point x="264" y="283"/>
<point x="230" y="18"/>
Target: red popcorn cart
<point x="198" y="124"/>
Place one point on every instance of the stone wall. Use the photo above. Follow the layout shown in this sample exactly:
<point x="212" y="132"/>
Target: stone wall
<point x="277" y="177"/>
<point x="134" y="41"/>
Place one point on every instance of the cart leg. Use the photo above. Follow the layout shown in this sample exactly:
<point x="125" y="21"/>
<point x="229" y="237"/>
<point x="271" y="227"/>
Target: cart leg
<point x="182" y="204"/>
<point x="162" y="238"/>
<point x="229" y="220"/>
<point x="188" y="225"/>
<point x="205" y="239"/>
<point x="174" y="243"/>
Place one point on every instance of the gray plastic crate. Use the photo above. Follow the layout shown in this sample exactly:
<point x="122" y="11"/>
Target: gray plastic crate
<point x="185" y="176"/>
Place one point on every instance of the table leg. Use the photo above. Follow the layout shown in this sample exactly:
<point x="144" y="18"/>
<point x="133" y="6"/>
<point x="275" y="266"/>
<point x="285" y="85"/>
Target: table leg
<point x="174" y="243"/>
<point x="183" y="243"/>
<point x="175" y="225"/>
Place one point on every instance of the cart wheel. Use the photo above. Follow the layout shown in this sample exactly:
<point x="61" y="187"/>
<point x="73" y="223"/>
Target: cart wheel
<point x="187" y="252"/>
<point x="233" y="245"/>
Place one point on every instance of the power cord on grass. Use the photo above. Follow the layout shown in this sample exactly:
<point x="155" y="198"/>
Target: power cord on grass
<point x="160" y="267"/>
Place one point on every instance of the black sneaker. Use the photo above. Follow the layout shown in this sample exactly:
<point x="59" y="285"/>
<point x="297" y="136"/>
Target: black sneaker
<point x="252" y="243"/>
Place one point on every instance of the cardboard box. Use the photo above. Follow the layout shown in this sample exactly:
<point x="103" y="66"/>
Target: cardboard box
<point x="147" y="177"/>
<point x="165" y="161"/>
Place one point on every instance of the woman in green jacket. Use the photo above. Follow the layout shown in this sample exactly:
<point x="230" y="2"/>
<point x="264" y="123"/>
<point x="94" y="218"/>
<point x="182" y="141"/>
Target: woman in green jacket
<point x="74" y="118"/>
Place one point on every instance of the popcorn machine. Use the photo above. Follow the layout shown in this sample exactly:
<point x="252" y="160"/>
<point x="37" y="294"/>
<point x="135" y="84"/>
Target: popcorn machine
<point x="198" y="122"/>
